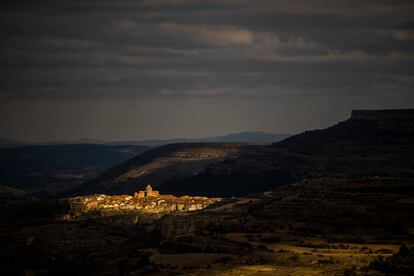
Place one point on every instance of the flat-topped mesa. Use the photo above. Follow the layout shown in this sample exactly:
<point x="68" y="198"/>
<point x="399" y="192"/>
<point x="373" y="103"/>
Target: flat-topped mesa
<point x="383" y="115"/>
<point x="386" y="117"/>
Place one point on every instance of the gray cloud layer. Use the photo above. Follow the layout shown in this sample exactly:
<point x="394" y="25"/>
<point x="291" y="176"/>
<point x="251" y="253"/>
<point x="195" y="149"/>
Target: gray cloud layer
<point x="256" y="62"/>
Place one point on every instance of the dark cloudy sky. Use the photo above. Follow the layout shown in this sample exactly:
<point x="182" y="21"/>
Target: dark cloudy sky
<point x="188" y="68"/>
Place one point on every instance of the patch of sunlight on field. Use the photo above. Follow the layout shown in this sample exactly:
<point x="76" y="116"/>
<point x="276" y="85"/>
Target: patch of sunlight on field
<point x="187" y="259"/>
<point x="272" y="270"/>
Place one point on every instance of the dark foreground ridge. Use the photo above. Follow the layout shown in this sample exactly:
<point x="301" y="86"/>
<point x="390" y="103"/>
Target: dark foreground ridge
<point x="320" y="226"/>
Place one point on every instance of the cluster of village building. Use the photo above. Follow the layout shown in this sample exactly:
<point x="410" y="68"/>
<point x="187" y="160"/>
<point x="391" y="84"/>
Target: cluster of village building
<point x="147" y="201"/>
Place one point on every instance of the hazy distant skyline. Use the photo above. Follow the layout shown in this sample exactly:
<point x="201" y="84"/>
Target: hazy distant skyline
<point x="156" y="69"/>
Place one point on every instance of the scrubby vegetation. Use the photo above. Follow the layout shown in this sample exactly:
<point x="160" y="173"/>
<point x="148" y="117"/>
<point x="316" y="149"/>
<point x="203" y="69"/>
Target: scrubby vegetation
<point x="400" y="263"/>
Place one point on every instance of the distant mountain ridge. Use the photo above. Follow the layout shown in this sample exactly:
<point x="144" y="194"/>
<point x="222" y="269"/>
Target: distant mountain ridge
<point x="242" y="137"/>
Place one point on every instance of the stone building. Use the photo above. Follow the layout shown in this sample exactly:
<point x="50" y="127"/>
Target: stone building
<point x="140" y="194"/>
<point x="149" y="192"/>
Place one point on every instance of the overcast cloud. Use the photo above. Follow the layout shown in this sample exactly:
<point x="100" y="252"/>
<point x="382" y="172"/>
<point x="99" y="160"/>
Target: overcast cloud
<point x="187" y="68"/>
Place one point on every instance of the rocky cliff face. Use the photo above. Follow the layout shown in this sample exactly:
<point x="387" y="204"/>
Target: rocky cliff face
<point x="177" y="224"/>
<point x="228" y="214"/>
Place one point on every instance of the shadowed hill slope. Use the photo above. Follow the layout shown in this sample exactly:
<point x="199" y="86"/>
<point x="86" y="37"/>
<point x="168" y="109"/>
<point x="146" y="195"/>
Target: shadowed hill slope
<point x="365" y="129"/>
<point x="358" y="147"/>
<point x="159" y="165"/>
<point x="42" y="167"/>
<point x="355" y="148"/>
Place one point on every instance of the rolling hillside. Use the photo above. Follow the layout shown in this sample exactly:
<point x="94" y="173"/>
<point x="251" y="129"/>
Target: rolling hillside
<point x="159" y="165"/>
<point x="358" y="147"/>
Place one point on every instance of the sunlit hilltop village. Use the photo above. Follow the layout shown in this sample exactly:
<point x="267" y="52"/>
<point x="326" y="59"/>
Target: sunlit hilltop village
<point x="149" y="201"/>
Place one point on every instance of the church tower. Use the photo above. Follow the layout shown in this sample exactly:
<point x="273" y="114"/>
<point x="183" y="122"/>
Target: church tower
<point x="150" y="192"/>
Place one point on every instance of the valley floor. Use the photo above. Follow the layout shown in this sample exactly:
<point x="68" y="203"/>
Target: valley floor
<point x="314" y="227"/>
